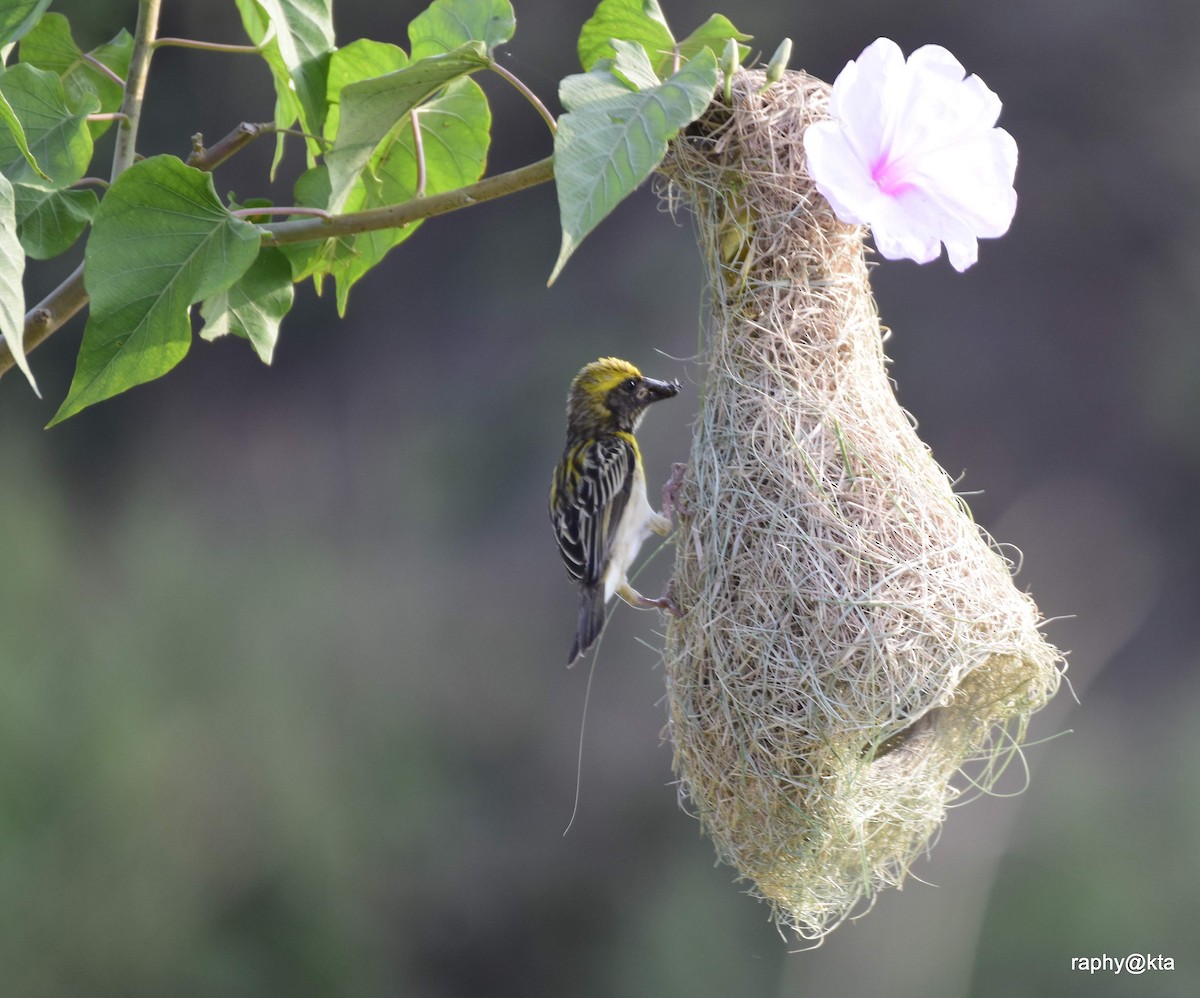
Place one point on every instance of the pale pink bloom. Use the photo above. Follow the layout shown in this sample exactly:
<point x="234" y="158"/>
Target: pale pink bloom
<point x="912" y="151"/>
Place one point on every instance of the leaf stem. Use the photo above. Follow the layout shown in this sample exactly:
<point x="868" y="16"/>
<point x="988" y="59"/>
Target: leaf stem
<point x="282" y="210"/>
<point x="528" y="94"/>
<point x="102" y="69"/>
<point x="135" y="86"/>
<point x="318" y="139"/>
<point x="395" y="215"/>
<point x="418" y="153"/>
<point x="191" y="43"/>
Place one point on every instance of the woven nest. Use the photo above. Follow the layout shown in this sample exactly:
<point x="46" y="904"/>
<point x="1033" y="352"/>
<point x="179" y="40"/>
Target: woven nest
<point x="850" y="638"/>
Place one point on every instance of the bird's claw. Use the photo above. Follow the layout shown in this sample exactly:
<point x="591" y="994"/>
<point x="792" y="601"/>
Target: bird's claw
<point x="667" y="601"/>
<point x="671" y="503"/>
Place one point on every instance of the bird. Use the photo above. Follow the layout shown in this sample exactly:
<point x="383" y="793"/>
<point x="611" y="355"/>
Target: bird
<point x="598" y="504"/>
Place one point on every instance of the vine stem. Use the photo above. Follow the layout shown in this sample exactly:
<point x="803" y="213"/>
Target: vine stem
<point x="393" y="216"/>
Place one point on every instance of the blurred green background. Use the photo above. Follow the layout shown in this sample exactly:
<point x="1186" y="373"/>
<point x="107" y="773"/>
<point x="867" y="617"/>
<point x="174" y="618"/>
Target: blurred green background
<point x="283" y="708"/>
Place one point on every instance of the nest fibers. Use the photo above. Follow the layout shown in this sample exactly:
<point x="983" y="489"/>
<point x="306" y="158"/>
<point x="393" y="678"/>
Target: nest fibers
<point x="850" y="639"/>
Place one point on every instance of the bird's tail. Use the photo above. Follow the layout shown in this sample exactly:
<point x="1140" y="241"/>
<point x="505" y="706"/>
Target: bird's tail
<point x="591" y="620"/>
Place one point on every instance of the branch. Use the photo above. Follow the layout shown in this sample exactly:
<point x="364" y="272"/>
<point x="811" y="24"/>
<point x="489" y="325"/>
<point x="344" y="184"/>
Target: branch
<point x="135" y="87"/>
<point x="394" y="216"/>
<point x="50" y="313"/>
<point x="70" y="296"/>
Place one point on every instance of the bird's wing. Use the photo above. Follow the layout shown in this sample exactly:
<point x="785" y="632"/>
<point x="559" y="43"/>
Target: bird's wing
<point x="591" y="490"/>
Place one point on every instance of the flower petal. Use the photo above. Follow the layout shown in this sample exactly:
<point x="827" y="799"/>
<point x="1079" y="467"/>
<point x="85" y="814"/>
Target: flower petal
<point x="848" y="186"/>
<point x="938" y="61"/>
<point x="864" y="94"/>
<point x="910" y="227"/>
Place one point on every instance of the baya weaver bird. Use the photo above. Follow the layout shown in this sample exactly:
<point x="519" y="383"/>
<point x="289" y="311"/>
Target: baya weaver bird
<point x="598" y="499"/>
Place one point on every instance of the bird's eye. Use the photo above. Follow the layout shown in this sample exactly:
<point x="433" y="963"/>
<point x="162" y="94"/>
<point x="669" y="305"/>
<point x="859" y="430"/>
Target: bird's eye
<point x="631" y="384"/>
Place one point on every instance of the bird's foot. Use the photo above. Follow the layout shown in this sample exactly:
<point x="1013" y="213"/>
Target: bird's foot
<point x="671" y="503"/>
<point x="665" y="602"/>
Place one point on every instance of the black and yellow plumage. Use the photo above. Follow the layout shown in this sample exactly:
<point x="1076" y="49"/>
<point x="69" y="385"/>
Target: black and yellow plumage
<point x="598" y="504"/>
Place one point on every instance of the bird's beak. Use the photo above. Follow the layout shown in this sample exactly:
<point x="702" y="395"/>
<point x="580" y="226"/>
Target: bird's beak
<point x="656" y="390"/>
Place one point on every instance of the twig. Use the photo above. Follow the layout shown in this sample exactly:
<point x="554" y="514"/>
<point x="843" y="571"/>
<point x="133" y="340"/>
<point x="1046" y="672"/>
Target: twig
<point x="216" y="154"/>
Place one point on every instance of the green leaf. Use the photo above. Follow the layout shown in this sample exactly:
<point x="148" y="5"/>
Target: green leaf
<point x="642" y="23"/>
<point x="160" y="242"/>
<point x="18" y="16"/>
<point x="13" y="124"/>
<point x="455" y="133"/>
<point x="371" y="109"/>
<point x="595" y="90"/>
<point x="12" y="295"/>
<point x="603" y="151"/>
<point x="360" y="60"/>
<point x="297" y="40"/>
<point x="639" y="21"/>
<point x="254" y="305"/>
<point x="631" y="65"/>
<point x="712" y="35"/>
<point x="446" y="24"/>
<point x="49" y="220"/>
<point x="55" y="128"/>
<point x="51" y="47"/>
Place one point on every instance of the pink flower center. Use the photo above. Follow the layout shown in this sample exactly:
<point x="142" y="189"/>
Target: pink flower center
<point x="890" y="175"/>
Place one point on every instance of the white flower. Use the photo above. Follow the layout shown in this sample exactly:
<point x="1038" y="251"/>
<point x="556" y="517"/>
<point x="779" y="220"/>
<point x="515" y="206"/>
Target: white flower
<point x="912" y="151"/>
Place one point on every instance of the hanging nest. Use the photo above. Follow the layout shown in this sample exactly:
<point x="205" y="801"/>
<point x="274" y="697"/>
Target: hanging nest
<point x="851" y="653"/>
